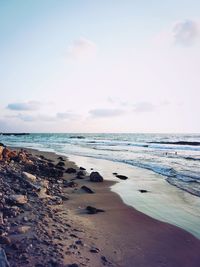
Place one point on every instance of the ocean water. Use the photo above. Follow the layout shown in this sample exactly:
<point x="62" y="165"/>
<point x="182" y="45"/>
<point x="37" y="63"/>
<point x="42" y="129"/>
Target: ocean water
<point x="179" y="164"/>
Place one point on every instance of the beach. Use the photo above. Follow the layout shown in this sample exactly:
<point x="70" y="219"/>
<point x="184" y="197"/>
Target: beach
<point x="66" y="234"/>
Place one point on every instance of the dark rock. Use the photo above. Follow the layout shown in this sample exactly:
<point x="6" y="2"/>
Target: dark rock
<point x="77" y="136"/>
<point x="60" y="163"/>
<point x="115" y="173"/>
<point x="82" y="169"/>
<point x="70" y="184"/>
<point x="73" y="265"/>
<point x="70" y="170"/>
<point x="93" y="210"/>
<point x="5" y="240"/>
<point x="94" y="250"/>
<point x="80" y="173"/>
<point x="143" y="191"/>
<point x="61" y="158"/>
<point x="87" y="189"/>
<point x="96" y="177"/>
<point x="122" y="177"/>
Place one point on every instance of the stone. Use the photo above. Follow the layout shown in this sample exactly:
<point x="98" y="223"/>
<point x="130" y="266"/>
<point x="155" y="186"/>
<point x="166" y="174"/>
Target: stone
<point x="143" y="191"/>
<point x="1" y="218"/>
<point x="5" y="240"/>
<point x="93" y="210"/>
<point x="94" y="250"/>
<point x="55" y="200"/>
<point x="3" y="259"/>
<point x="70" y="184"/>
<point x="96" y="177"/>
<point x="70" y="170"/>
<point x="73" y="265"/>
<point x="82" y="169"/>
<point x="23" y="229"/>
<point x="87" y="189"/>
<point x="29" y="177"/>
<point x="60" y="163"/>
<point x="61" y="158"/>
<point x="18" y="199"/>
<point x="6" y="153"/>
<point x="122" y="177"/>
<point x="80" y="173"/>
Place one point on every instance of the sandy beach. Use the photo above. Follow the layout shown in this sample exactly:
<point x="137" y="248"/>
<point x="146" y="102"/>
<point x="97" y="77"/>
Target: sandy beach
<point x="65" y="234"/>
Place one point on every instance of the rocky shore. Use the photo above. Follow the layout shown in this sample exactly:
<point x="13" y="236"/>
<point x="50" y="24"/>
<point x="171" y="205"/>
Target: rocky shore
<point x="53" y="213"/>
<point x="33" y="221"/>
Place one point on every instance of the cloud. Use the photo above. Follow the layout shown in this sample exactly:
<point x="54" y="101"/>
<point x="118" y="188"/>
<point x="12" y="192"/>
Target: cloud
<point x="67" y="116"/>
<point x="82" y="49"/>
<point x="24" y="106"/>
<point x="44" y="117"/>
<point x="106" y="112"/>
<point x="186" y="32"/>
<point x="144" y="107"/>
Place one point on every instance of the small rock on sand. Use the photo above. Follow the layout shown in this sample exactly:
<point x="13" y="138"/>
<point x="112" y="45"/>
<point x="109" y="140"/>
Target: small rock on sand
<point x="87" y="189"/>
<point x="122" y="177"/>
<point x="93" y="210"/>
<point x="96" y="177"/>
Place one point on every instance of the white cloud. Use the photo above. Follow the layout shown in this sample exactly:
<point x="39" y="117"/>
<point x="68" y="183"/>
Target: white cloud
<point x="44" y="117"/>
<point x="186" y="32"/>
<point x="144" y="107"/>
<point x="99" y="113"/>
<point x="24" y="106"/>
<point x="82" y="49"/>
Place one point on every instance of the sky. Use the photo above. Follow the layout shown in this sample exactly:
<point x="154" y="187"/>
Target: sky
<point x="100" y="66"/>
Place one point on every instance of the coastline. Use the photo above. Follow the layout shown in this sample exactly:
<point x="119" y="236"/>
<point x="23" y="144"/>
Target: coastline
<point x="124" y="236"/>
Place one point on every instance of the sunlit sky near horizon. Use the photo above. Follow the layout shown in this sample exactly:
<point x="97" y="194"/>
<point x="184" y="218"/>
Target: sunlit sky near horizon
<point x="100" y="66"/>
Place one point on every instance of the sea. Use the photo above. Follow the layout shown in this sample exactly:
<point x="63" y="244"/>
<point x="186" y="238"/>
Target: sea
<point x="174" y="156"/>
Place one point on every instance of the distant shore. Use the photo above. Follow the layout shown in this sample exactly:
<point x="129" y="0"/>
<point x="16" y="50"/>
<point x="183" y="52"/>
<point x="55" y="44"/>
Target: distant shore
<point x="119" y="236"/>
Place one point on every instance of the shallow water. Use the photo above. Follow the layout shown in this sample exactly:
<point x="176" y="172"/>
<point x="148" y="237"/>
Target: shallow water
<point x="180" y="164"/>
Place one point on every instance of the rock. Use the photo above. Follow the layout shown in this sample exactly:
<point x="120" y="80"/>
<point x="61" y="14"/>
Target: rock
<point x="73" y="265"/>
<point x="87" y="189"/>
<point x="93" y="210"/>
<point x="60" y="164"/>
<point x="61" y="158"/>
<point x="94" y="250"/>
<point x="6" y="153"/>
<point x="115" y="173"/>
<point x="1" y="151"/>
<point x="18" y="199"/>
<point x="79" y="242"/>
<point x="3" y="259"/>
<point x="82" y="169"/>
<point x="4" y="240"/>
<point x="29" y="177"/>
<point x="143" y="191"/>
<point x="70" y="184"/>
<point x="70" y="170"/>
<point x="80" y="173"/>
<point x="122" y="177"/>
<point x="23" y="229"/>
<point x="55" y="200"/>
<point x="1" y="218"/>
<point x="96" y="177"/>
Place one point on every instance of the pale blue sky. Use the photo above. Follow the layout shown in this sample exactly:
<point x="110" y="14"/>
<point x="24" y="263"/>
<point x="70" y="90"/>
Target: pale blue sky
<point x="99" y="65"/>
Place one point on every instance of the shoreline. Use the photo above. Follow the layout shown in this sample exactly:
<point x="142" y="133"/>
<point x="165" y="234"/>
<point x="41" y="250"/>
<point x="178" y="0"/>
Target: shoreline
<point x="123" y="235"/>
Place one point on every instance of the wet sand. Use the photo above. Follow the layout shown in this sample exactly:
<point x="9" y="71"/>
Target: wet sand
<point x="123" y="235"/>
